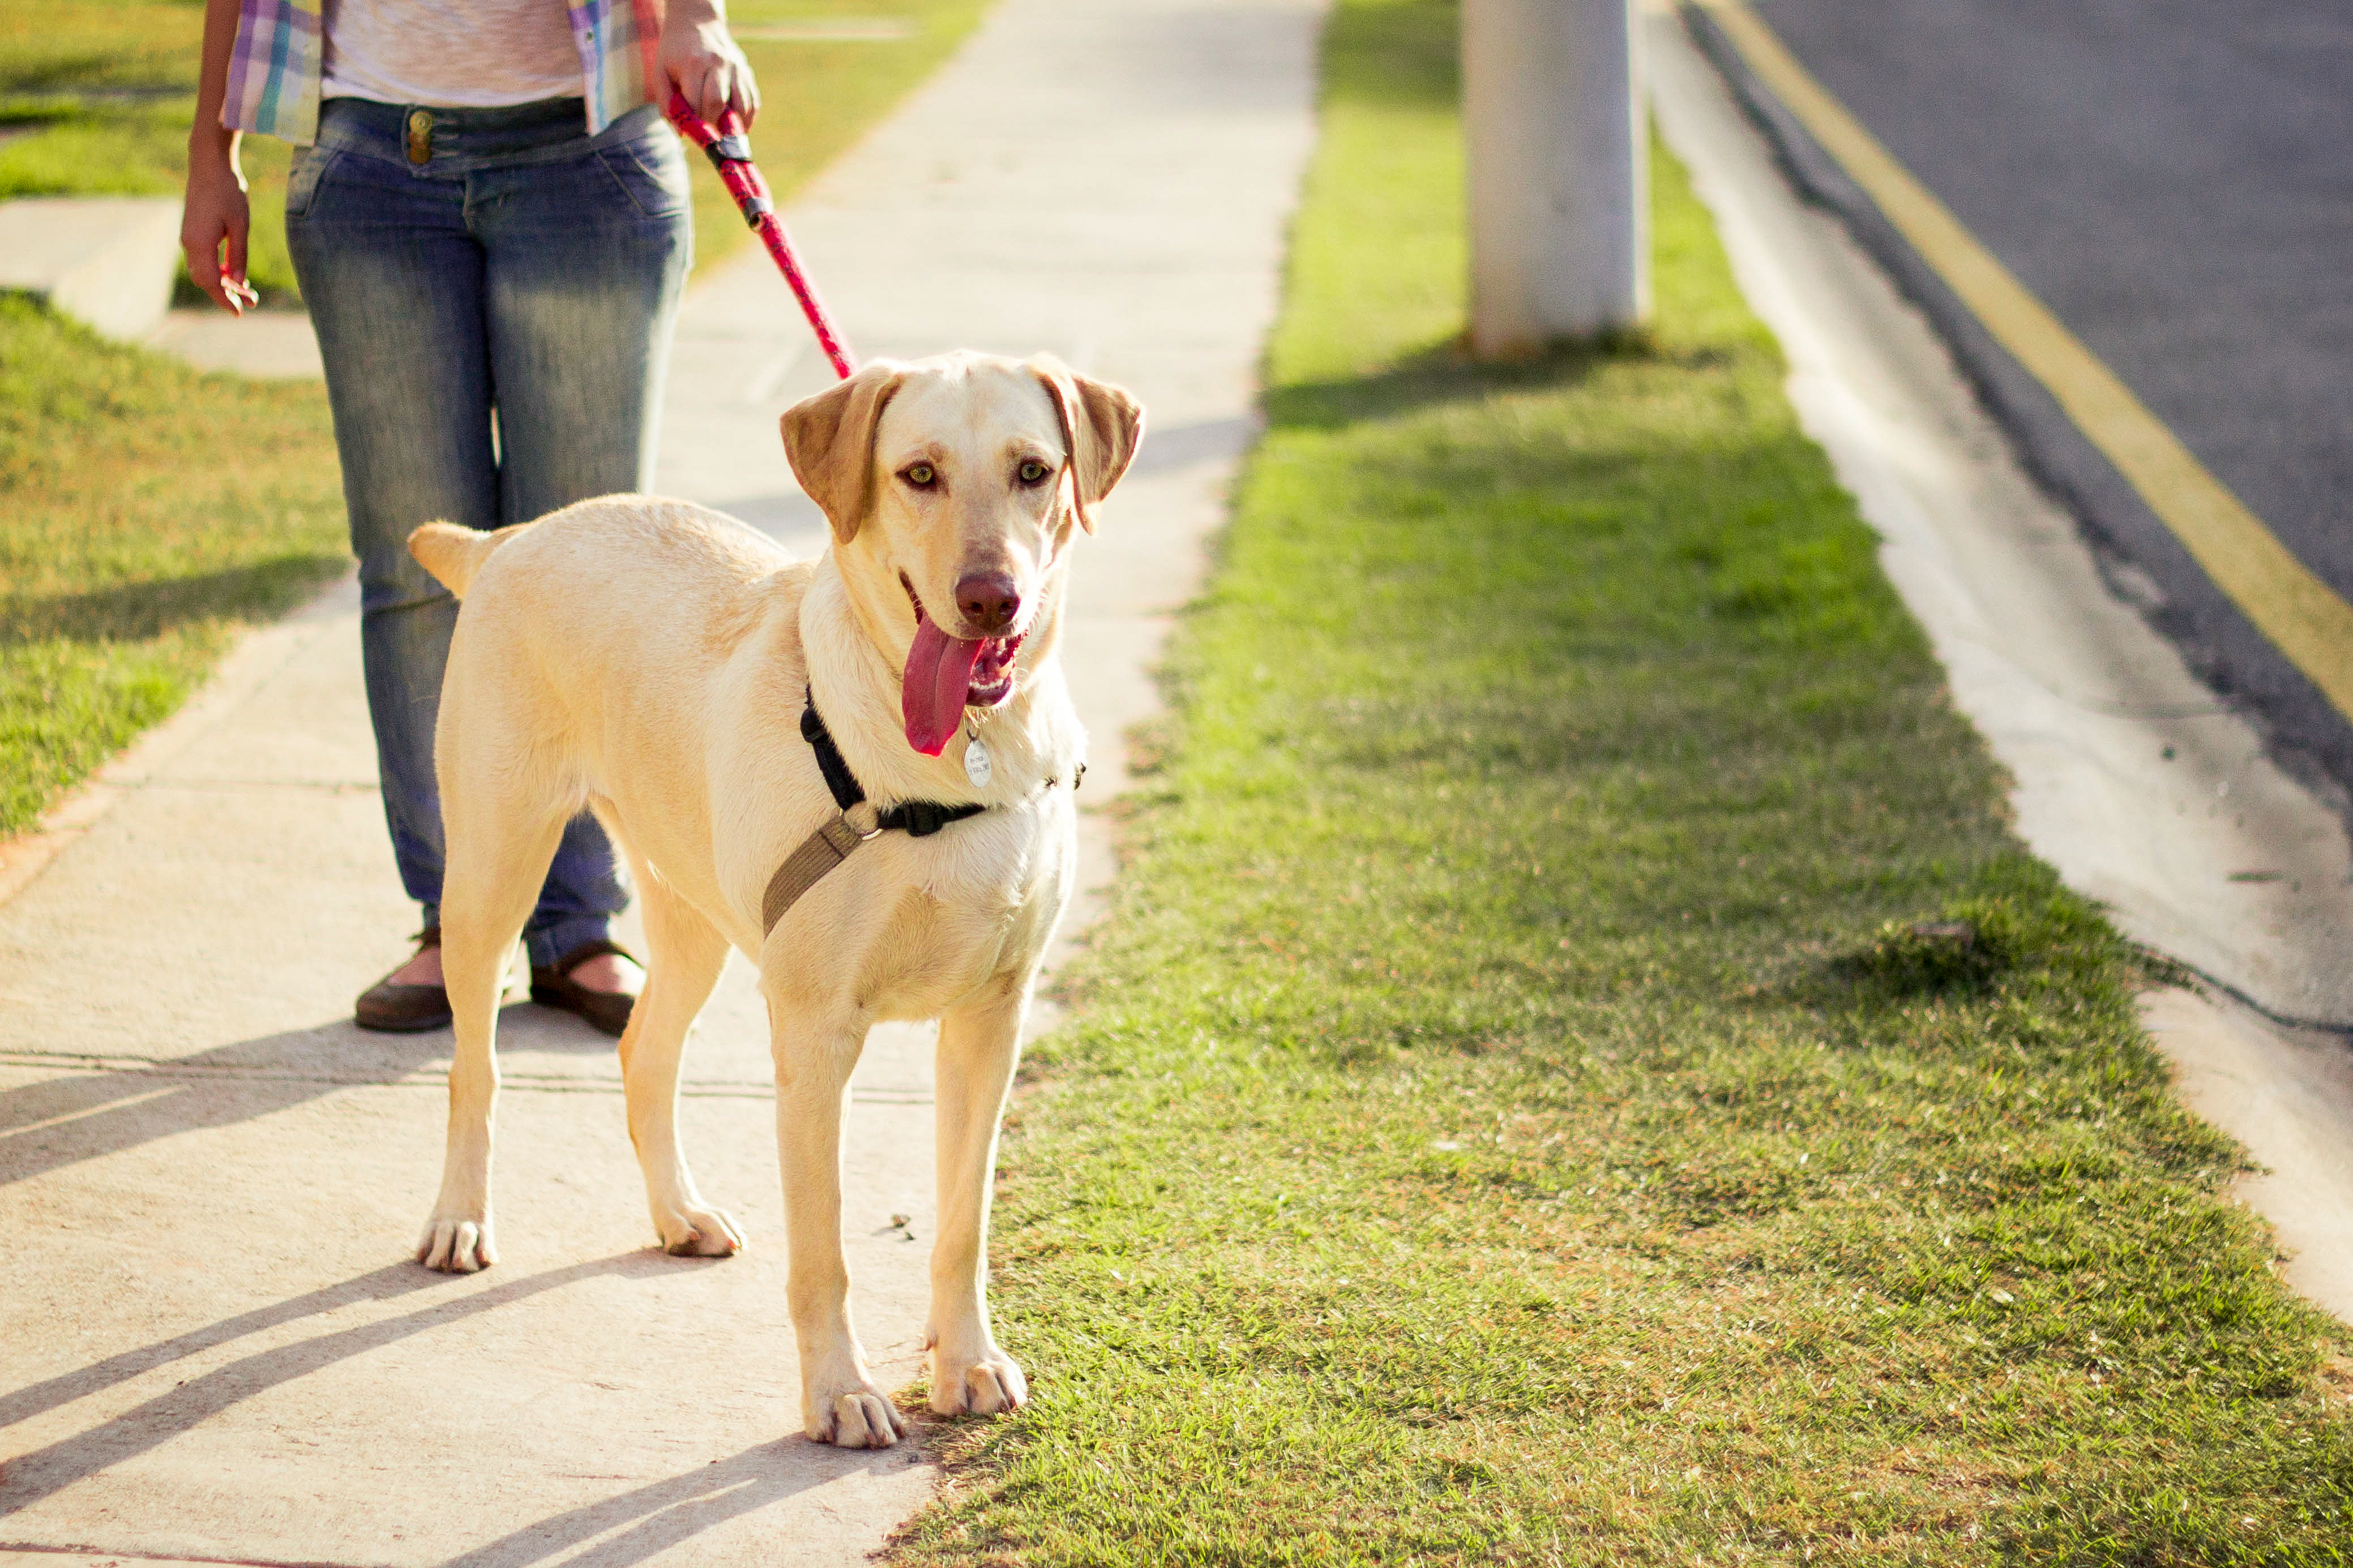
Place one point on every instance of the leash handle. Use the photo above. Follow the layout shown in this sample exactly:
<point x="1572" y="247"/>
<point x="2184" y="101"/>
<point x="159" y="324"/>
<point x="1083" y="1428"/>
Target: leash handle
<point x="730" y="151"/>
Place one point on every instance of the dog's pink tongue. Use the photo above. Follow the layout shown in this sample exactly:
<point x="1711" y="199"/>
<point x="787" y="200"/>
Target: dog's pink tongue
<point x="939" y="676"/>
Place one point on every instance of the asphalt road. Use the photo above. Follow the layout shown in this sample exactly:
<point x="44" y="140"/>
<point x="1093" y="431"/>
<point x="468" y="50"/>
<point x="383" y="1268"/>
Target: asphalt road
<point x="2174" y="178"/>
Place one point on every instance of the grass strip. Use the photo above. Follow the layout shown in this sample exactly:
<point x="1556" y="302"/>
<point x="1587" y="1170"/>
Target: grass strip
<point x="145" y="511"/>
<point x="1581" y="1071"/>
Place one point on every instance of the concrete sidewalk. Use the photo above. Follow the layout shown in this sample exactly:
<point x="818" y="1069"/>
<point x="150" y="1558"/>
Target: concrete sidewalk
<point x="222" y="1354"/>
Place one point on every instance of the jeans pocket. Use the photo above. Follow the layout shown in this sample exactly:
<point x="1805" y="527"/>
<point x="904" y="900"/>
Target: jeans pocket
<point x="303" y="181"/>
<point x="651" y="172"/>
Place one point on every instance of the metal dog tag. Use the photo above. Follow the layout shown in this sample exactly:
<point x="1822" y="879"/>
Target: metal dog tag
<point x="975" y="762"/>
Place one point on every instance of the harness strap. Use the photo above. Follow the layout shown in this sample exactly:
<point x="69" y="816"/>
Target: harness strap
<point x="854" y="822"/>
<point x="820" y="852"/>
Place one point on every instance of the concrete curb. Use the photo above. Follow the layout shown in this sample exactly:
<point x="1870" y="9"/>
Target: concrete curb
<point x="2143" y="791"/>
<point x="2148" y="791"/>
<point x="106" y="261"/>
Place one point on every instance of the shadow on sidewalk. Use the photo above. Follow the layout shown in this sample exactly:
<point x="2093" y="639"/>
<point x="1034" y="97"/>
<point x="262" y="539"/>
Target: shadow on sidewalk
<point x="651" y="1518"/>
<point x="668" y="1512"/>
<point x="31" y="1476"/>
<point x="64" y="1120"/>
<point x="383" y="1284"/>
<point x="85" y="1115"/>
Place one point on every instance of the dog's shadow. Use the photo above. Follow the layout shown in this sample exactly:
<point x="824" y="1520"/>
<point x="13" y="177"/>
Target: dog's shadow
<point x="120" y="1103"/>
<point x="651" y="1518"/>
<point x="33" y="1476"/>
<point x="667" y="1513"/>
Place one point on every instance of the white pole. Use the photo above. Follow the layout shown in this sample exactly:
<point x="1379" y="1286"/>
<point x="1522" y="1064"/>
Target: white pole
<point x="1559" y="171"/>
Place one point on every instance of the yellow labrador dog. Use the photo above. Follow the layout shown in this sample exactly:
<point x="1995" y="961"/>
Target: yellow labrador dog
<point x="723" y="709"/>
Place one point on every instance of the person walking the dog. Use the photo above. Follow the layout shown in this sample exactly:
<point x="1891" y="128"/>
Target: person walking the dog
<point x="487" y="215"/>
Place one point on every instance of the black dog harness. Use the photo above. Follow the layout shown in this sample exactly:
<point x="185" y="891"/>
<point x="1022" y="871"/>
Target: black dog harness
<point x="854" y="822"/>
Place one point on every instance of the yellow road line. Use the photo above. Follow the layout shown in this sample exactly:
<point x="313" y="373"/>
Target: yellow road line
<point x="2302" y="615"/>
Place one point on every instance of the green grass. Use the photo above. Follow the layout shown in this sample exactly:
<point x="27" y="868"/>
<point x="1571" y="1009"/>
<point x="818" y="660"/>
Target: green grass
<point x="146" y="510"/>
<point x="1581" y="1071"/>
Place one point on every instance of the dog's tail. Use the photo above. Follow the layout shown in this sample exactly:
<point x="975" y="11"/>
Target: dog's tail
<point x="453" y="554"/>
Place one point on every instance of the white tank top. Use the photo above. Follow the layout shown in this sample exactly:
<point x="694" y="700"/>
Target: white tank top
<point x="452" y="54"/>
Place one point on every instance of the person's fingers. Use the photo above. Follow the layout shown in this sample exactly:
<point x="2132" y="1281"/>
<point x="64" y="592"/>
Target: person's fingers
<point x="205" y="269"/>
<point x="747" y="93"/>
<point x="235" y="281"/>
<point x="716" y="85"/>
<point x="686" y="78"/>
<point x="200" y="246"/>
<point x="714" y="81"/>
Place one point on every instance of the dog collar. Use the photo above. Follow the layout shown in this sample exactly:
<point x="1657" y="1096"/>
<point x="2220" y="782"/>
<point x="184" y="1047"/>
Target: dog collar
<point x="916" y="819"/>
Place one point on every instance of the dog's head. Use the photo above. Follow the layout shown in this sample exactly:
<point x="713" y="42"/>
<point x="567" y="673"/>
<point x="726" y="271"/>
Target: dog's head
<point x="952" y="485"/>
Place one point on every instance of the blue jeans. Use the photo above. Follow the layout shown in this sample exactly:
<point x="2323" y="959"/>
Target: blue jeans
<point x="495" y="323"/>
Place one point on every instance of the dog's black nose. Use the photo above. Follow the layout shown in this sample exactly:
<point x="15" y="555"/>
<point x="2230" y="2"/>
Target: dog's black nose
<point x="990" y="601"/>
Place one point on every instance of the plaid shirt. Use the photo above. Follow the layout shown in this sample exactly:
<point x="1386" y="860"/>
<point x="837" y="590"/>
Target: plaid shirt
<point x="275" y="71"/>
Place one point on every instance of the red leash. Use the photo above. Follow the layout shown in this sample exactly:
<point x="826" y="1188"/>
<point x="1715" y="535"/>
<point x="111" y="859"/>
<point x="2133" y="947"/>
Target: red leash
<point x="731" y="154"/>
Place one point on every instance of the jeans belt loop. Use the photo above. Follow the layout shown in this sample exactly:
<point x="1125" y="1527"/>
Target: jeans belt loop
<point x="421" y="136"/>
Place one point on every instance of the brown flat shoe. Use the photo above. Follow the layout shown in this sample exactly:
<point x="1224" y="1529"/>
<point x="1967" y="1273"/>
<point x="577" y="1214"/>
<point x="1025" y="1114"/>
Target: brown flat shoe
<point x="554" y="987"/>
<point x="404" y="1009"/>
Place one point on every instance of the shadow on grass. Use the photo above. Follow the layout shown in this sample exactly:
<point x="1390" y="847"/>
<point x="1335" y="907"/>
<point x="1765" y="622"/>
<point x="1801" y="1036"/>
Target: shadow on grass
<point x="1385" y="57"/>
<point x="1973" y="947"/>
<point x="57" y="73"/>
<point x="30" y="111"/>
<point x="1445" y="373"/>
<point x="133" y="612"/>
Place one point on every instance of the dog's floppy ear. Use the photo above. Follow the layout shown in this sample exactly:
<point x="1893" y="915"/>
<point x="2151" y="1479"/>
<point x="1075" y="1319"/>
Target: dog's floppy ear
<point x="1101" y="427"/>
<point x="830" y="440"/>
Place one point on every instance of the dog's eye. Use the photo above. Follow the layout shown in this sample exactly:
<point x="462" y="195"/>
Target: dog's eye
<point x="1033" y="472"/>
<point x="919" y="475"/>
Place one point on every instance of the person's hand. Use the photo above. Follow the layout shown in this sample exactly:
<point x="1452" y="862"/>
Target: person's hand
<point x="215" y="219"/>
<point x="701" y="62"/>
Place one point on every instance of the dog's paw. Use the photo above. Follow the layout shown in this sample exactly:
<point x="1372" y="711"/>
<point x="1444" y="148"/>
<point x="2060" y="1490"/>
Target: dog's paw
<point x="860" y="1419"/>
<point x="456" y="1244"/>
<point x="700" y="1233"/>
<point x="986" y="1386"/>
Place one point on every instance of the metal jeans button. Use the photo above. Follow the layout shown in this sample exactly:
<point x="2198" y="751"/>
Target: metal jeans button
<point x="421" y="136"/>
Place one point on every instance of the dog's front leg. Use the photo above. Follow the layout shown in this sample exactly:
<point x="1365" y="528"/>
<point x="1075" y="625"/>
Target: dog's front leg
<point x="840" y="1403"/>
<point x="686" y="953"/>
<point x="979" y="1043"/>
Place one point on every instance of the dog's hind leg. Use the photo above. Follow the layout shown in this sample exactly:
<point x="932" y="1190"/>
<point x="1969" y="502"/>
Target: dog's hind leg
<point x="500" y="822"/>
<point x="684" y="956"/>
<point x="815" y="1055"/>
<point x="979" y="1043"/>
